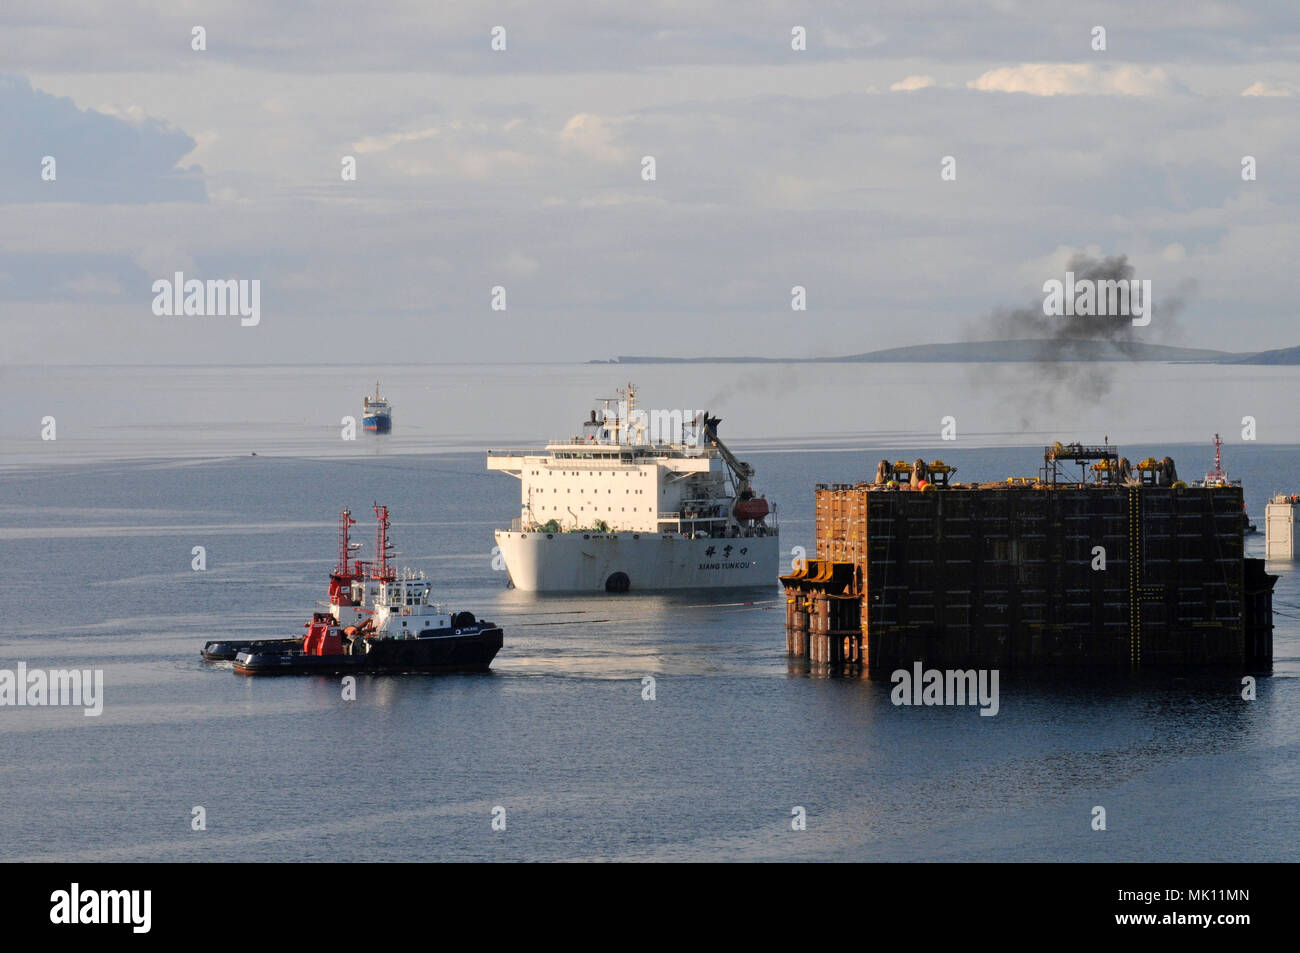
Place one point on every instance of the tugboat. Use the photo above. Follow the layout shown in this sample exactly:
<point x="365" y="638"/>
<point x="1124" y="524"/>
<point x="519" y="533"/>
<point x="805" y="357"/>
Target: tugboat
<point x="1219" y="477"/>
<point x="379" y="621"/>
<point x="376" y="414"/>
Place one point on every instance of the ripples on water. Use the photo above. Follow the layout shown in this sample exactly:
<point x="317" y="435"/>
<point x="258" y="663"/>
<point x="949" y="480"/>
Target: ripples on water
<point x="98" y="575"/>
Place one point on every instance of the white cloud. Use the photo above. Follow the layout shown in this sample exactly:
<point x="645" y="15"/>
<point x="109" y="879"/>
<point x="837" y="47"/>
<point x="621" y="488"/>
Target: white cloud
<point x="490" y="164"/>
<point x="386" y="142"/>
<point x="1265" y="88"/>
<point x="132" y="114"/>
<point x="592" y="135"/>
<point x="909" y="83"/>
<point x="1073" y="79"/>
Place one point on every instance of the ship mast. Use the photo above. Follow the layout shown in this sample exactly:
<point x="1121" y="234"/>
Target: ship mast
<point x="1217" y="475"/>
<point x="345" y="547"/>
<point x="383" y="548"/>
<point x="629" y="394"/>
<point x="624" y="406"/>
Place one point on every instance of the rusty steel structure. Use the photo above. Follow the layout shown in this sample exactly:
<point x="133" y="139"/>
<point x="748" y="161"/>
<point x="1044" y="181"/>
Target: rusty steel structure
<point x="1120" y="570"/>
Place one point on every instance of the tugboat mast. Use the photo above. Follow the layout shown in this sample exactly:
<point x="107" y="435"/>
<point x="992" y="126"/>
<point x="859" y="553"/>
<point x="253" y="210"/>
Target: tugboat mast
<point x="1217" y="474"/>
<point x="345" y="546"/>
<point x="383" y="548"/>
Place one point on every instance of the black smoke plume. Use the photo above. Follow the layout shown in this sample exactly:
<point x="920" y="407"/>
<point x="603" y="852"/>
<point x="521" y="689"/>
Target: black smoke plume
<point x="1071" y="358"/>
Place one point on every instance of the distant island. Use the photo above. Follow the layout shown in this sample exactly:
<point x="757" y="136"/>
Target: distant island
<point x="1033" y="350"/>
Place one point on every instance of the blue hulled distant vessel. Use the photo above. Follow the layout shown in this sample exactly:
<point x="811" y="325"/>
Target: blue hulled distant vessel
<point x="377" y="413"/>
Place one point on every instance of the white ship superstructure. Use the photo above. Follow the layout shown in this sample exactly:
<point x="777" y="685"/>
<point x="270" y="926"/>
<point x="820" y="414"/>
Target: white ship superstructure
<point x="380" y="600"/>
<point x="639" y="501"/>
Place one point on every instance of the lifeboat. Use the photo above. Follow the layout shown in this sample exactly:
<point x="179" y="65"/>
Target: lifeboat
<point x="754" y="508"/>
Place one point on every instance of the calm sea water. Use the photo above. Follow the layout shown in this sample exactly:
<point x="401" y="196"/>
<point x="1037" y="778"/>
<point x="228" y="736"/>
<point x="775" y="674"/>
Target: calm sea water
<point x="97" y="553"/>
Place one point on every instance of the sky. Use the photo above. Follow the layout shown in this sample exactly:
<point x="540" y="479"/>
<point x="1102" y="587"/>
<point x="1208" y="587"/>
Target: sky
<point x="522" y="169"/>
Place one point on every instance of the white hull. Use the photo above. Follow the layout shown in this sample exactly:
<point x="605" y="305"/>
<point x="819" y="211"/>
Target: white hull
<point x="584" y="562"/>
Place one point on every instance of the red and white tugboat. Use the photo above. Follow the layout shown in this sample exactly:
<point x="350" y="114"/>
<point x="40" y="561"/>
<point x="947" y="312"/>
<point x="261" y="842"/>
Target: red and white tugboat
<point x="379" y="621"/>
<point x="1219" y="477"/>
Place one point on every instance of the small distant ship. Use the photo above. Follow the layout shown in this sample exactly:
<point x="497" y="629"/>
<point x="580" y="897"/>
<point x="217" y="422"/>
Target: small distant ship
<point x="376" y="413"/>
<point x="378" y="621"/>
<point x="1218" y="476"/>
<point x="637" y="501"/>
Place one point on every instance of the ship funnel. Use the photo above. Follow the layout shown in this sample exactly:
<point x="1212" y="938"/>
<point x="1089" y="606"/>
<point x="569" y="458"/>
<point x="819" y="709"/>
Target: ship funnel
<point x="711" y="426"/>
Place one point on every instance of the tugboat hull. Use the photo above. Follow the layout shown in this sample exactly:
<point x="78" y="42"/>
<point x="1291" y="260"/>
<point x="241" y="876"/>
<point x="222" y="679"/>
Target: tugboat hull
<point x="467" y="652"/>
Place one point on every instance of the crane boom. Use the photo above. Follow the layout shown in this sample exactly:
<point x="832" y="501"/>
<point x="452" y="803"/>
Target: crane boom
<point x="741" y="470"/>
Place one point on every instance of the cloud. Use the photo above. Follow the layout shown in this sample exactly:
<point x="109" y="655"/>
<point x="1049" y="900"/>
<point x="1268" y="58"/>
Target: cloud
<point x="516" y="265"/>
<point x="909" y="83"/>
<point x="386" y="142"/>
<point x="1074" y="79"/>
<point x="859" y="38"/>
<point x="782" y="168"/>
<point x="160" y="259"/>
<point x="97" y="158"/>
<point x="591" y="135"/>
<point x="1265" y="88"/>
<point x="91" y="285"/>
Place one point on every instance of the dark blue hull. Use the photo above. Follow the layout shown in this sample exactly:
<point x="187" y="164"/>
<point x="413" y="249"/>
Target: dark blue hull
<point x="377" y="424"/>
<point x="471" y="651"/>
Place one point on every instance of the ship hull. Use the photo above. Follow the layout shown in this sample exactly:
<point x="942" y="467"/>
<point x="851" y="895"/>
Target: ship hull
<point x="469" y="652"/>
<point x="595" y="562"/>
<point x="377" y="424"/>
